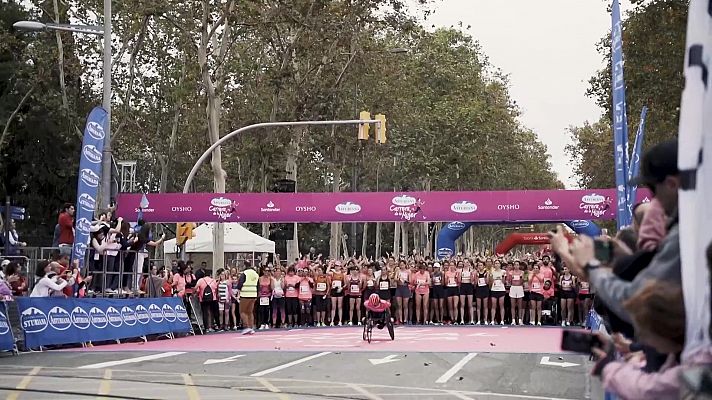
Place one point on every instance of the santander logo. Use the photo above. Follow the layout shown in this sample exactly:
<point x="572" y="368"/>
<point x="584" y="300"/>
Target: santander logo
<point x="464" y="207"/>
<point x="270" y="208"/>
<point x="348" y="208"/>
<point x="548" y="205"/>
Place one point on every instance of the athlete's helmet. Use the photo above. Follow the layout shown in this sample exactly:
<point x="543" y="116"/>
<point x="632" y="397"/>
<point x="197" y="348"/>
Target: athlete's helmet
<point x="374" y="300"/>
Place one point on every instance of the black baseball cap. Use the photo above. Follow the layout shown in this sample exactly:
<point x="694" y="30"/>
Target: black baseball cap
<point x="659" y="162"/>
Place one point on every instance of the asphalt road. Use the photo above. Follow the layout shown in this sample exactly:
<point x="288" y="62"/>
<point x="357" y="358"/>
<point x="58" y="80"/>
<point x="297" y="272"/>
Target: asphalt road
<point x="321" y="373"/>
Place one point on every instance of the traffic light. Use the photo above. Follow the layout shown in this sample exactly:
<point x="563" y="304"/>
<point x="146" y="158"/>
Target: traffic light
<point x="184" y="231"/>
<point x="363" y="127"/>
<point x="381" y="129"/>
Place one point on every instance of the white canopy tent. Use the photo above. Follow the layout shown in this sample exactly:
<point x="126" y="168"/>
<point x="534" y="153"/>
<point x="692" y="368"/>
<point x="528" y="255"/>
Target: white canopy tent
<point x="238" y="239"/>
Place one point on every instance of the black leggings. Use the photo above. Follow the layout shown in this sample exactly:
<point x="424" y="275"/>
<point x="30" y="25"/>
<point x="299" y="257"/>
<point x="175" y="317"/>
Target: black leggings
<point x="210" y="313"/>
<point x="292" y="306"/>
<point x="263" y="315"/>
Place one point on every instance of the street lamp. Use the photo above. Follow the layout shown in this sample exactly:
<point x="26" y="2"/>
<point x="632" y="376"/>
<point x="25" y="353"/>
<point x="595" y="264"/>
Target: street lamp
<point x="90" y="30"/>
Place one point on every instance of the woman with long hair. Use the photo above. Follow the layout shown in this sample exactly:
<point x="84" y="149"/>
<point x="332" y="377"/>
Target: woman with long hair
<point x="497" y="291"/>
<point x="452" y="290"/>
<point x="536" y="286"/>
<point x="338" y="282"/>
<point x="516" y="292"/>
<point x="467" y="292"/>
<point x="422" y="294"/>
<point x="402" y="293"/>
<point x="567" y="283"/>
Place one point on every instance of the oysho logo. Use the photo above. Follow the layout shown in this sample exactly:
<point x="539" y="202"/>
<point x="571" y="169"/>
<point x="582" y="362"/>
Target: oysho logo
<point x="270" y="208"/>
<point x="80" y="318"/>
<point x="548" y="205"/>
<point x="156" y="314"/>
<point x="92" y="154"/>
<point x="222" y="207"/>
<point x="95" y="130"/>
<point x="59" y="318"/>
<point x="181" y="313"/>
<point x="305" y="208"/>
<point x="142" y="314"/>
<point x="464" y="207"/>
<point x="98" y="318"/>
<point x="114" y="317"/>
<point x="508" y="207"/>
<point x="168" y="313"/>
<point x="128" y="315"/>
<point x="87" y="202"/>
<point x="4" y="325"/>
<point x="83" y="225"/>
<point x="90" y="178"/>
<point x="33" y="320"/>
<point x="348" y="208"/>
<point x="404" y="200"/>
<point x="456" y="226"/>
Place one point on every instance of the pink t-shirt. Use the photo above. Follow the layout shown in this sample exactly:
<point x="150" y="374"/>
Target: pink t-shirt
<point x="548" y="272"/>
<point x="422" y="282"/>
<point x="385" y="305"/>
<point x="291" y="281"/>
<point x="536" y="283"/>
<point x="305" y="288"/>
<point x="451" y="279"/>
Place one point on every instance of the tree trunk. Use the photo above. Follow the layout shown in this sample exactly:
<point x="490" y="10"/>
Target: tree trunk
<point x="396" y="239"/>
<point x="378" y="241"/>
<point x="364" y="239"/>
<point x="263" y="189"/>
<point x="405" y="228"/>
<point x="291" y="168"/>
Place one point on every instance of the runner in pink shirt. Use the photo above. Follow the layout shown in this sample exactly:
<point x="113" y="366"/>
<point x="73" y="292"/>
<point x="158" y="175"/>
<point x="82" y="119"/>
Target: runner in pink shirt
<point x="291" y="294"/>
<point x="536" y="285"/>
<point x="306" y="284"/>
<point x="422" y="293"/>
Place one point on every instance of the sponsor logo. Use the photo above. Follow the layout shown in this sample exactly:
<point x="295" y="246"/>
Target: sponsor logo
<point x="595" y="205"/>
<point x="4" y="325"/>
<point x="445" y="252"/>
<point x="59" y="318"/>
<point x="181" y="313"/>
<point x="348" y="208"/>
<point x="98" y="318"/>
<point x="155" y="313"/>
<point x="87" y="203"/>
<point x="80" y="249"/>
<point x="33" y="320"/>
<point x="80" y="318"/>
<point x="548" y="205"/>
<point x="83" y="225"/>
<point x="463" y="207"/>
<point x="168" y="313"/>
<point x="456" y="226"/>
<point x="305" y="208"/>
<point x="128" y="315"/>
<point x="580" y="223"/>
<point x="114" y="317"/>
<point x="92" y="154"/>
<point x="406" y="207"/>
<point x="646" y="200"/>
<point x="89" y="177"/>
<point x="180" y="209"/>
<point x="145" y="210"/>
<point x="222" y="207"/>
<point x="95" y="130"/>
<point x="270" y="208"/>
<point x="507" y="207"/>
<point x="142" y="315"/>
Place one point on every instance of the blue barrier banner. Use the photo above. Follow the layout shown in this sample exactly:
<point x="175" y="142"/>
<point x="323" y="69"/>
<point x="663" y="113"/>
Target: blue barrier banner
<point x="7" y="342"/>
<point x="47" y="321"/>
<point x="89" y="178"/>
<point x="620" y="119"/>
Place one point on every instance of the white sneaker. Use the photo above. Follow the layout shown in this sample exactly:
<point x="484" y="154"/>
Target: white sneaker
<point x="538" y="323"/>
<point x="568" y="323"/>
<point x="486" y="323"/>
<point x="563" y="324"/>
<point x="351" y="323"/>
<point x="266" y="327"/>
<point x="531" y="323"/>
<point x="513" y="323"/>
<point x="246" y="331"/>
<point x="359" y="323"/>
<point x="502" y="323"/>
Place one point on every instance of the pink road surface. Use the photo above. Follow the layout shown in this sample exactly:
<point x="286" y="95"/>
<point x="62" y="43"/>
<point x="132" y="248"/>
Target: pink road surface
<point x="407" y="339"/>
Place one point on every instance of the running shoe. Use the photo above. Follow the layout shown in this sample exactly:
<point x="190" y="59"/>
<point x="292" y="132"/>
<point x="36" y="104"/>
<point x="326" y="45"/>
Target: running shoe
<point x="486" y="323"/>
<point x="531" y="323"/>
<point x="563" y="323"/>
<point x="513" y="323"/>
<point x="538" y="323"/>
<point x="502" y="323"/>
<point x="351" y="323"/>
<point x="359" y="323"/>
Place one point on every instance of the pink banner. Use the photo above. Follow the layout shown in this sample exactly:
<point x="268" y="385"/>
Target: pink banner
<point x="486" y="207"/>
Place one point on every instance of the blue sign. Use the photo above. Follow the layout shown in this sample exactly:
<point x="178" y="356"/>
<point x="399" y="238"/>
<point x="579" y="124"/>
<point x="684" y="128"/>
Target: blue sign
<point x="7" y="342"/>
<point x="634" y="167"/>
<point x="47" y="321"/>
<point x="620" y="120"/>
<point x="17" y="213"/>
<point x="89" y="172"/>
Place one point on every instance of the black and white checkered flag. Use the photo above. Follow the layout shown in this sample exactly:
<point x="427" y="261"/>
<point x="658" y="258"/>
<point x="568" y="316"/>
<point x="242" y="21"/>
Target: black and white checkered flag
<point x="695" y="163"/>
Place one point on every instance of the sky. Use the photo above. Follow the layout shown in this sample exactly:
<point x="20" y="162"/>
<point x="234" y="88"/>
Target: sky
<point x="548" y="49"/>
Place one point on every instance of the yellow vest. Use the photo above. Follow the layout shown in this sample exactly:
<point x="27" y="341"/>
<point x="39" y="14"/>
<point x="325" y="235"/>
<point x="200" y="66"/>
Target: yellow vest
<point x="249" y="288"/>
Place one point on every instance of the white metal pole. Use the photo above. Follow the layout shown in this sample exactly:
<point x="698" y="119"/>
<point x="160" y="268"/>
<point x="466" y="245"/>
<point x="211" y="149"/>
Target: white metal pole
<point x="106" y="163"/>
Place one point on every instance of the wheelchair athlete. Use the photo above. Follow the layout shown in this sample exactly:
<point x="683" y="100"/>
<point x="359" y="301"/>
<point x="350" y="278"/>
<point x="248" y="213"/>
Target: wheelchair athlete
<point x="377" y="310"/>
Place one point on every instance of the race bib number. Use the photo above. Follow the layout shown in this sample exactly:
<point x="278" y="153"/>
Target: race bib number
<point x="321" y="286"/>
<point x="498" y="285"/>
<point x="452" y="282"/>
<point x="481" y="282"/>
<point x="536" y="285"/>
<point x="355" y="289"/>
<point x="516" y="281"/>
<point x="384" y="285"/>
<point x="336" y="284"/>
<point x="304" y="288"/>
<point x="566" y="284"/>
<point x="437" y="280"/>
<point x="584" y="285"/>
<point x="404" y="276"/>
<point x="420" y="281"/>
<point x="290" y="289"/>
<point x="264" y="301"/>
<point x="278" y="291"/>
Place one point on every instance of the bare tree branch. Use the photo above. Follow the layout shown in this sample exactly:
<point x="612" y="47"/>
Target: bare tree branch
<point x="14" y="113"/>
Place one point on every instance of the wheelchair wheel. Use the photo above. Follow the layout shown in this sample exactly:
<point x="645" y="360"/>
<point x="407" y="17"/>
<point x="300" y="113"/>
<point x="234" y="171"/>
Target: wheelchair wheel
<point x="389" y="324"/>
<point x="369" y="330"/>
<point x="365" y="331"/>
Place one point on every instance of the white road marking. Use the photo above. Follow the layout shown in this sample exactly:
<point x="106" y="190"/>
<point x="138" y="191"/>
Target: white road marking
<point x="452" y="371"/>
<point x="459" y="395"/>
<point x="222" y="360"/>
<point x="369" y="395"/>
<point x="385" y="360"/>
<point x="565" y="364"/>
<point x="329" y="345"/>
<point x="132" y="360"/>
<point x="290" y="364"/>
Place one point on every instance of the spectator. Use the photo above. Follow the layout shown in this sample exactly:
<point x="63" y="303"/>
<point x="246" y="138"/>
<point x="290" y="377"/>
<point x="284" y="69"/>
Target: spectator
<point x="247" y="285"/>
<point x="65" y="222"/>
<point x="49" y="283"/>
<point x="17" y="282"/>
<point x="201" y="272"/>
<point x="207" y="289"/>
<point x="13" y="240"/>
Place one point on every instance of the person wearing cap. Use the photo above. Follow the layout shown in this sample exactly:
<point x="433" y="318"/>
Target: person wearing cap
<point x="660" y="174"/>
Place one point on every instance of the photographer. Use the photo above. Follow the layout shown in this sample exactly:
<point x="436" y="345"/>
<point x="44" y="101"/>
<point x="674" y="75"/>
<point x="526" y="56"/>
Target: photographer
<point x="49" y="283"/>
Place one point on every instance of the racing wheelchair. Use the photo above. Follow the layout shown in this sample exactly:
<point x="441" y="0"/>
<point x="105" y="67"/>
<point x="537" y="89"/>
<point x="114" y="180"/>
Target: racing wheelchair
<point x="378" y="320"/>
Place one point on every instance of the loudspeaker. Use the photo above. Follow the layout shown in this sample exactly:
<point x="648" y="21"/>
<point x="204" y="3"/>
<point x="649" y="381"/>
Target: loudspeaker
<point x="285" y="186"/>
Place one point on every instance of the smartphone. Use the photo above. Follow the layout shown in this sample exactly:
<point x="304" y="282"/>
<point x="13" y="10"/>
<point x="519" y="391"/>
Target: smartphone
<point x="579" y="342"/>
<point x="603" y="250"/>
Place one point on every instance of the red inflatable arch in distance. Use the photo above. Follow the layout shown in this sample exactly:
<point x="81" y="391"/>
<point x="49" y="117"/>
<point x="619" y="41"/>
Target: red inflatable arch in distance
<point x="515" y="239"/>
